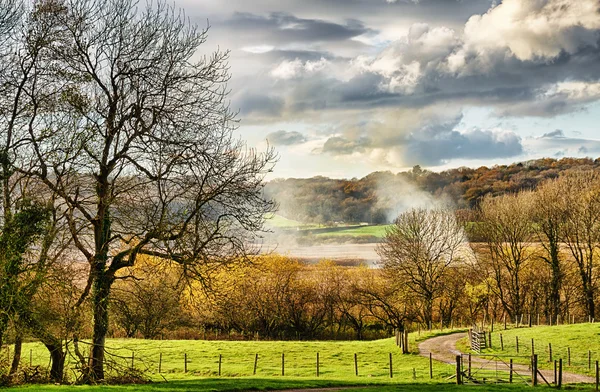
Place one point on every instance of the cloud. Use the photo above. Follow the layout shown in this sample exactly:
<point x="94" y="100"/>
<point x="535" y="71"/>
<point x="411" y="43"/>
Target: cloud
<point x="424" y="138"/>
<point x="281" y="27"/>
<point x="556" y="142"/>
<point x="261" y="104"/>
<point x="553" y="71"/>
<point x="554" y="134"/>
<point x="286" y="138"/>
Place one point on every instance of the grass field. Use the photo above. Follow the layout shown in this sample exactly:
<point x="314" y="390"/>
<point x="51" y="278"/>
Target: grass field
<point x="410" y="371"/>
<point x="375" y="231"/>
<point x="581" y="339"/>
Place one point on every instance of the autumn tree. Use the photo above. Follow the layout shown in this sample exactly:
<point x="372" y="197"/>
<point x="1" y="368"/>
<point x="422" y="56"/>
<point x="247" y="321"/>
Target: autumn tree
<point x="550" y="213"/>
<point x="581" y="229"/>
<point x="418" y="249"/>
<point x="506" y="227"/>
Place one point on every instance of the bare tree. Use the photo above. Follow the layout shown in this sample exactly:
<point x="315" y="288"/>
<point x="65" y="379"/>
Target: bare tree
<point x="581" y="229"/>
<point x="418" y="249"/>
<point x="139" y="145"/>
<point x="506" y="225"/>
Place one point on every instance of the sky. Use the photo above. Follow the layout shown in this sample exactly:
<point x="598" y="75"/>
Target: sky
<point x="342" y="88"/>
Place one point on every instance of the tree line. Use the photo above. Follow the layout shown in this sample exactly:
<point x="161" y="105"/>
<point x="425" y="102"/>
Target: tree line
<point x="536" y="258"/>
<point x="375" y="198"/>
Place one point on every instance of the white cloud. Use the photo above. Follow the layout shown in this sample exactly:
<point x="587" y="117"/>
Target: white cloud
<point x="289" y="69"/>
<point x="531" y="29"/>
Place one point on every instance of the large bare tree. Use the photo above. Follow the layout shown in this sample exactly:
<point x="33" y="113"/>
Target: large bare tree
<point x="137" y="140"/>
<point x="418" y="249"/>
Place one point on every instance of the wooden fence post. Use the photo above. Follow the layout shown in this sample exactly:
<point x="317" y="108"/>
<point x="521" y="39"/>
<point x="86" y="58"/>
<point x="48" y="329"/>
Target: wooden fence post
<point x="185" y="362"/>
<point x="255" y="364"/>
<point x="283" y="364"/>
<point x="510" y="374"/>
<point x="517" y="340"/>
<point x="550" y="352"/>
<point x="220" y="360"/>
<point x="501" y="343"/>
<point x="132" y="359"/>
<point x="534" y="370"/>
<point x="391" y="367"/>
<point x="532" y="347"/>
<point x="555" y="372"/>
<point x="430" y="366"/>
<point x="458" y="374"/>
<point x="490" y="339"/>
<point x="317" y="364"/>
<point x="469" y="367"/>
<point x="505" y="321"/>
<point x="569" y="356"/>
<point x="355" y="364"/>
<point x="597" y="376"/>
<point x="589" y="359"/>
<point x="160" y="362"/>
<point x="559" y="372"/>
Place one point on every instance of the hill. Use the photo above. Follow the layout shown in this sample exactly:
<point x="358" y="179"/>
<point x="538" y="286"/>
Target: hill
<point x="378" y="197"/>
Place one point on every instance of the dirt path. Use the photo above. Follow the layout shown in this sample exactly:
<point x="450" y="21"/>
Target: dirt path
<point x="443" y="349"/>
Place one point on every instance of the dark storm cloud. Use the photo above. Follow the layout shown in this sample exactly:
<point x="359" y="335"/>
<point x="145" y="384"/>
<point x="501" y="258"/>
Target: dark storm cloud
<point x="286" y="28"/>
<point x="285" y="138"/>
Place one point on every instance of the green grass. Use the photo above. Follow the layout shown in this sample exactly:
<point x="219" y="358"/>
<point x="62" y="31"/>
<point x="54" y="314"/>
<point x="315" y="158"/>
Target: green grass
<point x="375" y="231"/>
<point x="281" y="222"/>
<point x="578" y="337"/>
<point x="411" y="372"/>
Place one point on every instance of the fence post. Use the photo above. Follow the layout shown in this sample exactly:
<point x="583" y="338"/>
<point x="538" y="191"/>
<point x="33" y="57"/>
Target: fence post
<point x="355" y="365"/>
<point x="517" y="339"/>
<point x="160" y="362"/>
<point x="534" y="370"/>
<point x="458" y="374"/>
<point x="569" y="356"/>
<point x="220" y="360"/>
<point x="469" y="367"/>
<point x="505" y="321"/>
<point x="132" y="359"/>
<point x="510" y="374"/>
<point x="317" y="364"/>
<point x="555" y="372"/>
<point x="283" y="364"/>
<point x="589" y="359"/>
<point x="550" y="351"/>
<point x="490" y="338"/>
<point x="532" y="347"/>
<point x="255" y="364"/>
<point x="501" y="343"/>
<point x="597" y="375"/>
<point x="185" y="362"/>
<point x="559" y="372"/>
<point x="391" y="368"/>
<point x="430" y="366"/>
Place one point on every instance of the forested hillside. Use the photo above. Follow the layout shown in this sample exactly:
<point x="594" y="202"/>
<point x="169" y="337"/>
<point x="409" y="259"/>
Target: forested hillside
<point x="378" y="197"/>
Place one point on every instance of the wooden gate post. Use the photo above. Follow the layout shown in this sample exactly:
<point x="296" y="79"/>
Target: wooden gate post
<point x="458" y="373"/>
<point x="534" y="370"/>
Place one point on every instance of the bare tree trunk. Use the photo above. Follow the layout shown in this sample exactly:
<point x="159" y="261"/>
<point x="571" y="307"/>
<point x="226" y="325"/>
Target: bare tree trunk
<point x="58" y="362"/>
<point x="17" y="357"/>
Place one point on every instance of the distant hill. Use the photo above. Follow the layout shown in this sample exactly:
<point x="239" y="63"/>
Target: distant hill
<point x="380" y="196"/>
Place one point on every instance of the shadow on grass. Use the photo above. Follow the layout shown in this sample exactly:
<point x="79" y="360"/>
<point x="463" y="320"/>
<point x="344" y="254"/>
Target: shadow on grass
<point x="270" y="384"/>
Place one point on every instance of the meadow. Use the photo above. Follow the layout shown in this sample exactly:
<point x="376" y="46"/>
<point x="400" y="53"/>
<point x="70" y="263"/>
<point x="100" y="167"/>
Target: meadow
<point x="581" y="340"/>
